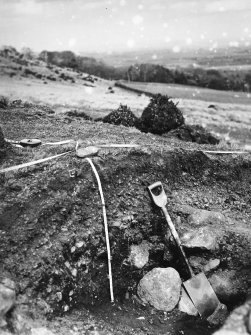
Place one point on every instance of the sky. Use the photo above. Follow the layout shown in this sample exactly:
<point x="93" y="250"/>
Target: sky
<point x="124" y="25"/>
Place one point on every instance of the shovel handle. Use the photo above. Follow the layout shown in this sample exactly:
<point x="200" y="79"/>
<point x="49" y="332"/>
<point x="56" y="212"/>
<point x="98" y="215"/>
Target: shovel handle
<point x="177" y="239"/>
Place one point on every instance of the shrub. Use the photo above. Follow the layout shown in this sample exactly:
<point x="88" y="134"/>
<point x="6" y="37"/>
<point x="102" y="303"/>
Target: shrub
<point x="121" y="116"/>
<point x="161" y="115"/>
<point x="4" y="102"/>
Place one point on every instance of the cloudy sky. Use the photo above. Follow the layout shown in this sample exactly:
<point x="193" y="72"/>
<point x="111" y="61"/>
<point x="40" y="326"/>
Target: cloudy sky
<point x="118" y="25"/>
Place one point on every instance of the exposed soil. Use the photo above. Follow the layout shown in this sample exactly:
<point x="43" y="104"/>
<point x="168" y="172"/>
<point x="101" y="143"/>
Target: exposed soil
<point x="51" y="224"/>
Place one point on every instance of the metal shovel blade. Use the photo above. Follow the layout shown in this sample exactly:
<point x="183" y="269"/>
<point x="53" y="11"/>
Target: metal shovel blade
<point x="202" y="294"/>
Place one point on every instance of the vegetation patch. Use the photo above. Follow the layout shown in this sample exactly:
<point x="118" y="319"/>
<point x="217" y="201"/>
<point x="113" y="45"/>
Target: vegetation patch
<point x="121" y="116"/>
<point x="161" y="115"/>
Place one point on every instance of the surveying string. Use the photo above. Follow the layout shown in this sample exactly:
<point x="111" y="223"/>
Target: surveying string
<point x="106" y="227"/>
<point x="20" y="166"/>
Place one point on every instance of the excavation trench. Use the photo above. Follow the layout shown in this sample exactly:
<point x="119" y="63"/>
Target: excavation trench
<point x="52" y="235"/>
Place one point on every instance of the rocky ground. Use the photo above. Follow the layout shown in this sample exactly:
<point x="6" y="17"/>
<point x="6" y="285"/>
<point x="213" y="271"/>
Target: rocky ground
<point x="54" y="273"/>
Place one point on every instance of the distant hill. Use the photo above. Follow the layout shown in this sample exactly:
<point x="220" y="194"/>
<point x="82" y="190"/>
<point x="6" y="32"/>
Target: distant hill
<point x="224" y="77"/>
<point x="83" y="64"/>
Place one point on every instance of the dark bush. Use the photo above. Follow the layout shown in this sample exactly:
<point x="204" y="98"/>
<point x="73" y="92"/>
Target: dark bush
<point x="122" y="116"/>
<point x="160" y="116"/>
<point x="4" y="102"/>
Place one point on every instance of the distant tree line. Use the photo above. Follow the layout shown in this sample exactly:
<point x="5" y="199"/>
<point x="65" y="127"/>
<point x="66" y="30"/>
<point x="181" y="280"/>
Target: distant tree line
<point x="209" y="78"/>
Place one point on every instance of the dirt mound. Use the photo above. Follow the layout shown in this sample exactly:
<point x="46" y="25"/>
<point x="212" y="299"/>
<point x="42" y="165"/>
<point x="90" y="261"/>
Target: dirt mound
<point x="122" y="116"/>
<point x="81" y="114"/>
<point x="193" y="133"/>
<point x="161" y="115"/>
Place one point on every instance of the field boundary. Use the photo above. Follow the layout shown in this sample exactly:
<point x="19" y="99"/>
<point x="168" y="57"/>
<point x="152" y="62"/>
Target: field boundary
<point x="135" y="90"/>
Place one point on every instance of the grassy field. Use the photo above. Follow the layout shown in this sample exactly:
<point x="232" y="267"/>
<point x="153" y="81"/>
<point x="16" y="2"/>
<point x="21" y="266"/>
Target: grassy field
<point x="190" y="92"/>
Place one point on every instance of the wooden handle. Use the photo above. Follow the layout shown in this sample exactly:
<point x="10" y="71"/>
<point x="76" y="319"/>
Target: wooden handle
<point x="177" y="239"/>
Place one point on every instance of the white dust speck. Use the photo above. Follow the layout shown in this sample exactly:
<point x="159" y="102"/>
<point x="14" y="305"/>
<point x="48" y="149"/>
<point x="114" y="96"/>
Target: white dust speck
<point x="130" y="43"/>
<point x="165" y="25"/>
<point x="176" y="49"/>
<point x="154" y="56"/>
<point x="246" y="30"/>
<point x="72" y="42"/>
<point x="137" y="19"/>
<point x="189" y="41"/>
<point x="167" y="39"/>
<point x="122" y="3"/>
<point x="224" y="34"/>
<point x="140" y="6"/>
<point x="202" y="36"/>
<point x="122" y="23"/>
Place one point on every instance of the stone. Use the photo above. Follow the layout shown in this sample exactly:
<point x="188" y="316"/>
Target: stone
<point x="160" y="288"/>
<point x="139" y="255"/>
<point x="203" y="238"/>
<point x="229" y="286"/>
<point x="202" y="217"/>
<point x="186" y="305"/>
<point x="7" y="297"/>
<point x="197" y="263"/>
<point x="236" y="323"/>
<point x="211" y="265"/>
<point x="41" y="331"/>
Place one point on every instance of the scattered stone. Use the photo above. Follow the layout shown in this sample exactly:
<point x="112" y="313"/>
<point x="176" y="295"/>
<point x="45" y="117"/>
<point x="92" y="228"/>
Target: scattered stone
<point x="186" y="305"/>
<point x="139" y="254"/>
<point x="203" y="238"/>
<point x="160" y="288"/>
<point x="211" y="265"/>
<point x="122" y="116"/>
<point x="228" y="286"/>
<point x="7" y="298"/>
<point x="194" y="133"/>
<point x="161" y="115"/>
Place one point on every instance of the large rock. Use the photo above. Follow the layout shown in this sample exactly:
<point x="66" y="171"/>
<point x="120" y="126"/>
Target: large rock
<point x="203" y="238"/>
<point x="161" y="115"/>
<point x="139" y="254"/>
<point x="7" y="298"/>
<point x="160" y="288"/>
<point x="229" y="286"/>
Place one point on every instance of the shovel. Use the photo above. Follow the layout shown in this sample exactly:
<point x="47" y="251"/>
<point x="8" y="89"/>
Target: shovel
<point x="197" y="287"/>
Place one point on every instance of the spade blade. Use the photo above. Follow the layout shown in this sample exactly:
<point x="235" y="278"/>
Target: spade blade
<point x="202" y="294"/>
